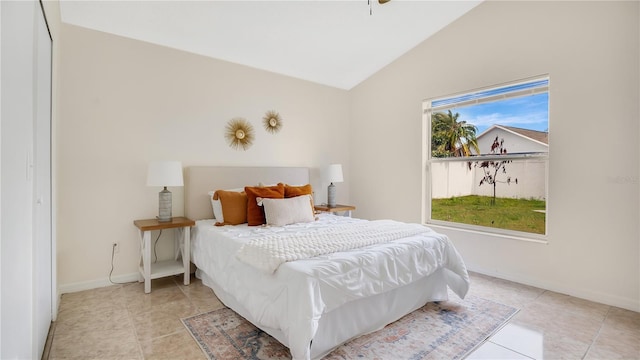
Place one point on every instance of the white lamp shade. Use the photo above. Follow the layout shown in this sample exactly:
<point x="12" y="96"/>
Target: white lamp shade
<point x="165" y="173"/>
<point x="334" y="173"/>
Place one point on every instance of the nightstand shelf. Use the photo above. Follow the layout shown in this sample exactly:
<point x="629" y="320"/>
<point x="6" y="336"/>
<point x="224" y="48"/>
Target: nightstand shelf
<point x="165" y="268"/>
<point x="181" y="264"/>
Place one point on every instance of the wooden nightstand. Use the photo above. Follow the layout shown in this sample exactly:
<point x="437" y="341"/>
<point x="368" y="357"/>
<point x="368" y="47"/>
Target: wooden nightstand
<point x="345" y="209"/>
<point x="182" y="249"/>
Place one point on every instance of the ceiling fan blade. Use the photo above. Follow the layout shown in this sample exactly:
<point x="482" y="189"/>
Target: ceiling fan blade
<point x="383" y="1"/>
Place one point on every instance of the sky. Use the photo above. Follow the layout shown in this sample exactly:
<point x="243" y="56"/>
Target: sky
<point x="524" y="105"/>
<point x="528" y="112"/>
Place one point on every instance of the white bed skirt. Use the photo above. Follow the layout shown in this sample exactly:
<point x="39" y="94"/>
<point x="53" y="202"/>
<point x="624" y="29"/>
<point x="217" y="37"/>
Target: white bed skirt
<point x="354" y="318"/>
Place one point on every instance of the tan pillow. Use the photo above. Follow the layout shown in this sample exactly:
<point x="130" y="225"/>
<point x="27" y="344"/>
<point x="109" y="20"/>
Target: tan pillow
<point x="255" y="213"/>
<point x="280" y="212"/>
<point x="234" y="207"/>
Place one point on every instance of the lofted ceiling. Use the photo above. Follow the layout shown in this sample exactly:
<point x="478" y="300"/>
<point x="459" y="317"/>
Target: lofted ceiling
<point x="335" y="43"/>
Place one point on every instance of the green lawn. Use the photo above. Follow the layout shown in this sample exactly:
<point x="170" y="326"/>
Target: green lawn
<point x="512" y="214"/>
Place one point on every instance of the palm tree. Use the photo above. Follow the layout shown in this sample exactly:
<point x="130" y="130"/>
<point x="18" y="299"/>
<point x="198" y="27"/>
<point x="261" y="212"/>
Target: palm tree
<point x="450" y="137"/>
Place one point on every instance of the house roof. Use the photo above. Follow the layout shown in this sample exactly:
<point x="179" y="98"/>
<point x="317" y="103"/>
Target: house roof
<point x="336" y="43"/>
<point x="538" y="136"/>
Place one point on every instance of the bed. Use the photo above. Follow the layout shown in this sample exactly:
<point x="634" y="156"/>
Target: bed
<point x="314" y="305"/>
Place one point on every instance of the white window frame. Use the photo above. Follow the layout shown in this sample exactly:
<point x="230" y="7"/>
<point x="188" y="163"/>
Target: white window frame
<point x="428" y="160"/>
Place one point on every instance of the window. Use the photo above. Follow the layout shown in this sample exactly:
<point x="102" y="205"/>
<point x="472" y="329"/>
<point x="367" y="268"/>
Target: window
<point x="486" y="158"/>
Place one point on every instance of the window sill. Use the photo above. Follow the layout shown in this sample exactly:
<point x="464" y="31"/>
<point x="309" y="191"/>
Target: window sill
<point x="539" y="239"/>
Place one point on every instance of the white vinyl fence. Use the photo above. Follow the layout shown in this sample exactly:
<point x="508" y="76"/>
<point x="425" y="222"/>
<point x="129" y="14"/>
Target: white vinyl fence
<point x="453" y="178"/>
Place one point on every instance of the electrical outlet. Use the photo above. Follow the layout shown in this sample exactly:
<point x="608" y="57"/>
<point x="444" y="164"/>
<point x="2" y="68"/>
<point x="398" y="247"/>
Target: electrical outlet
<point x="116" y="247"/>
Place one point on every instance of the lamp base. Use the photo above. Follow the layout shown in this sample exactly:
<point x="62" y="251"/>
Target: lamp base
<point x="164" y="208"/>
<point x="331" y="195"/>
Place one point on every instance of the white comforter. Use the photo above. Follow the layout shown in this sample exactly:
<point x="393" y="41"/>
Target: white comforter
<point x="294" y="297"/>
<point x="268" y="252"/>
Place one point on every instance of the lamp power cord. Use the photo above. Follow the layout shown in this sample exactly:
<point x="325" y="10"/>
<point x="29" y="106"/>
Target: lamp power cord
<point x="113" y="252"/>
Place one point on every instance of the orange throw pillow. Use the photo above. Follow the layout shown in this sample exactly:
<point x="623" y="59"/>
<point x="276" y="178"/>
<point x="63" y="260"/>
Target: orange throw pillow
<point x="255" y="213"/>
<point x="293" y="191"/>
<point x="234" y="207"/>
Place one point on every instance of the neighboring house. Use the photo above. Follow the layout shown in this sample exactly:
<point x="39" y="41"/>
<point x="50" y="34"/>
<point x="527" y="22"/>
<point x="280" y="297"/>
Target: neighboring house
<point x="456" y="179"/>
<point x="516" y="140"/>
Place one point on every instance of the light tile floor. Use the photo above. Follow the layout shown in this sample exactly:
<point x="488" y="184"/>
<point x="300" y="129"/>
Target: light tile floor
<point x="122" y="322"/>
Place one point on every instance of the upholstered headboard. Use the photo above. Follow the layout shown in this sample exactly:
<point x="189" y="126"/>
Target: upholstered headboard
<point x="199" y="180"/>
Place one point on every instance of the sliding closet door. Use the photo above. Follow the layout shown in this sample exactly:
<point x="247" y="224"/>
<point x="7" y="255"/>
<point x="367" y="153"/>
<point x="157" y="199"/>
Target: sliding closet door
<point x="42" y="226"/>
<point x="25" y="180"/>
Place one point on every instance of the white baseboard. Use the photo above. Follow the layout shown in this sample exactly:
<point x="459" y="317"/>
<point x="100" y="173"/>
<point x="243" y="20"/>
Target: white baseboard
<point x="98" y="283"/>
<point x="598" y="297"/>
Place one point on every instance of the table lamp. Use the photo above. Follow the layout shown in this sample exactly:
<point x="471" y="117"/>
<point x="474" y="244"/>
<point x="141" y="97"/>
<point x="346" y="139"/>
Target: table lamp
<point x="164" y="173"/>
<point x="334" y="175"/>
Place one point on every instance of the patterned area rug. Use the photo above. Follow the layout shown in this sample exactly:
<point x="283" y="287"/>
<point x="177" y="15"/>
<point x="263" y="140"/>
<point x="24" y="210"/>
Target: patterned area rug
<point x="444" y="330"/>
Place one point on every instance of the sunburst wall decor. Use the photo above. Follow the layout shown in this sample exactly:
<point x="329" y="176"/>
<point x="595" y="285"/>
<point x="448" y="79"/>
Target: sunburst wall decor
<point x="239" y="133"/>
<point x="272" y="121"/>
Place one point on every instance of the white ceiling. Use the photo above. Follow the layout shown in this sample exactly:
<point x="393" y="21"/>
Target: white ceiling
<point x="336" y="43"/>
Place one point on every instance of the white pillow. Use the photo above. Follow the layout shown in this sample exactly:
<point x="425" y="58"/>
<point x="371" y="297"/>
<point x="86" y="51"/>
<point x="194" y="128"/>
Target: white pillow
<point x="280" y="212"/>
<point x="216" y="205"/>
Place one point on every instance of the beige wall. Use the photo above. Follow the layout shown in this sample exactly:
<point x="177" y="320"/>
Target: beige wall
<point x="123" y="103"/>
<point x="591" y="52"/>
